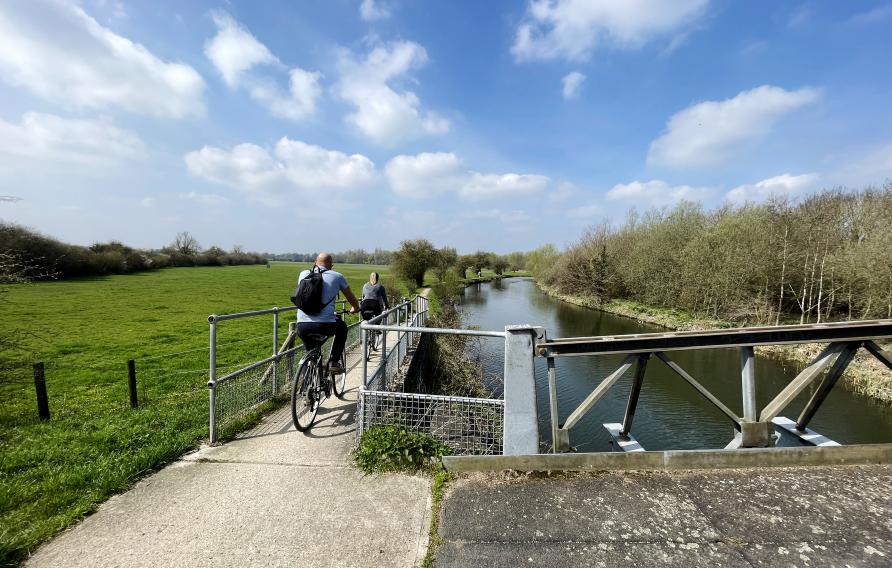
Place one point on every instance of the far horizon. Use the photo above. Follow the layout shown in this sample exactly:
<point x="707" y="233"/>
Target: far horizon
<point x="476" y="125"/>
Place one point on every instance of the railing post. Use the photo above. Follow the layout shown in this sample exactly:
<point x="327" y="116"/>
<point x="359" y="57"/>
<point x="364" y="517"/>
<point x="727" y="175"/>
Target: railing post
<point x="556" y="440"/>
<point x="521" y="425"/>
<point x="753" y="434"/>
<point x="275" y="348"/>
<point x="212" y="381"/>
<point x="364" y="333"/>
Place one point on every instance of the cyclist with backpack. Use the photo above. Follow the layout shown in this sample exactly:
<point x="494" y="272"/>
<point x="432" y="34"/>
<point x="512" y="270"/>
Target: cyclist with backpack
<point x="314" y="297"/>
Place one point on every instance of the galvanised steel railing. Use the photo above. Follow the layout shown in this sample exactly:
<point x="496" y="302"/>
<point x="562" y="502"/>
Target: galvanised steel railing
<point x="238" y="392"/>
<point x="467" y="425"/>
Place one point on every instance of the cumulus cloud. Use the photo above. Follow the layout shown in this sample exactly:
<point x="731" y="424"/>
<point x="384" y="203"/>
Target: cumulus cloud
<point x="370" y="11"/>
<point x="204" y="198"/>
<point x="63" y="55"/>
<point x="426" y="174"/>
<point x="508" y="217"/>
<point x="873" y="167"/>
<point x="292" y="165"/>
<point x="429" y="174"/>
<point x="711" y="132"/>
<point x="783" y="185"/>
<point x="585" y="211"/>
<point x="489" y="186"/>
<point x="48" y="140"/>
<point x="572" y="85"/>
<point x="574" y="29"/>
<point x="237" y="55"/>
<point x="383" y="114"/>
<point x="655" y="192"/>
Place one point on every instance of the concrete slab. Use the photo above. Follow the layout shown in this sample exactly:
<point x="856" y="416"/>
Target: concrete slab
<point x="600" y="508"/>
<point x="602" y="555"/>
<point x="814" y="516"/>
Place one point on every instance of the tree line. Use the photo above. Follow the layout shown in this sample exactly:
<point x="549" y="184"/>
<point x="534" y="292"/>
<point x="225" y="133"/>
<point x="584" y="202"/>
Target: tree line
<point x="826" y="257"/>
<point x="416" y="257"/>
<point x="46" y="257"/>
<point x="350" y="256"/>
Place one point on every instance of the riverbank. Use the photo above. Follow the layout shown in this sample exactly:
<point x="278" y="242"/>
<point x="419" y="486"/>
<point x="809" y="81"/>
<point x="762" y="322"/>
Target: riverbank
<point x="865" y="375"/>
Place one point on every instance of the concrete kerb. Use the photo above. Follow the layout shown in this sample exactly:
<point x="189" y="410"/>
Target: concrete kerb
<point x="677" y="460"/>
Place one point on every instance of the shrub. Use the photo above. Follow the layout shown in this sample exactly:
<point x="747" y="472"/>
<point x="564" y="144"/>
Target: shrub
<point x="385" y="448"/>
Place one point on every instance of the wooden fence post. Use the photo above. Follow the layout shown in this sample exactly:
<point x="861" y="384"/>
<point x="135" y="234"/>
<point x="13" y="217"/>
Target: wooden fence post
<point x="43" y="406"/>
<point x="131" y="382"/>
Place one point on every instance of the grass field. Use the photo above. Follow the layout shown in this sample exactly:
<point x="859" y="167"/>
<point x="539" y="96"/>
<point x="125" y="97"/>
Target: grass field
<point x="85" y="330"/>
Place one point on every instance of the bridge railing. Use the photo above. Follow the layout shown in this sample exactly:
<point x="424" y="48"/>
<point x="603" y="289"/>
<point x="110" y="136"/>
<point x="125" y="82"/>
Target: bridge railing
<point x="752" y="425"/>
<point x="235" y="394"/>
<point x="470" y="426"/>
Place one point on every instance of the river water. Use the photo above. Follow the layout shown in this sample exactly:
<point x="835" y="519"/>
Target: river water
<point x="670" y="414"/>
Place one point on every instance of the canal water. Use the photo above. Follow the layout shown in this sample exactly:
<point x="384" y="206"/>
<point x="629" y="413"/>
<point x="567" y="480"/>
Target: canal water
<point x="670" y="414"/>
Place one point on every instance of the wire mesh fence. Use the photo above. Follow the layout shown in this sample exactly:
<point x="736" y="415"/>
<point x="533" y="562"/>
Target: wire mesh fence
<point x="236" y="394"/>
<point x="469" y="426"/>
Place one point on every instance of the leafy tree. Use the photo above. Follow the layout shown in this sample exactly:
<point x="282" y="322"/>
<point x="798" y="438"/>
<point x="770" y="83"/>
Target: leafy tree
<point x="413" y="259"/>
<point x="499" y="264"/>
<point x="446" y="258"/>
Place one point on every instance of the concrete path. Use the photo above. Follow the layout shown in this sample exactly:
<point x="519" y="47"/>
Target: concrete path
<point x="819" y="516"/>
<point x="274" y="497"/>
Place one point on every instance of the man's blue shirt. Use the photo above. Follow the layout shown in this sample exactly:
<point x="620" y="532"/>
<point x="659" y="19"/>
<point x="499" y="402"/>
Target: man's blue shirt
<point x="332" y="283"/>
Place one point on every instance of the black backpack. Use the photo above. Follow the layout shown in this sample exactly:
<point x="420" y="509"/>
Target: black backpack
<point x="308" y="294"/>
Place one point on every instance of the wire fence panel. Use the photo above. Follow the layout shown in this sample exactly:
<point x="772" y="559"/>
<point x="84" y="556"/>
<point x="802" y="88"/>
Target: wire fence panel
<point x="240" y="392"/>
<point x="469" y="426"/>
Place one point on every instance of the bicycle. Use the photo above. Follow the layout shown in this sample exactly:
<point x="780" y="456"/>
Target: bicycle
<point x="315" y="382"/>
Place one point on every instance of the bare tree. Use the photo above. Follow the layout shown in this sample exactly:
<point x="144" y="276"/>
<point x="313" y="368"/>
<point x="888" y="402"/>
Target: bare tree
<point x="185" y="243"/>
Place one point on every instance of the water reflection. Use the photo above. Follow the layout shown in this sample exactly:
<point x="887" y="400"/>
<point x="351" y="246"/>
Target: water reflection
<point x="670" y="414"/>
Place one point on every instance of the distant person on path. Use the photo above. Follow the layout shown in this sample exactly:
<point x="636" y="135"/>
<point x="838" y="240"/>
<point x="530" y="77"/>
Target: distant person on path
<point x="374" y="298"/>
<point x="327" y="322"/>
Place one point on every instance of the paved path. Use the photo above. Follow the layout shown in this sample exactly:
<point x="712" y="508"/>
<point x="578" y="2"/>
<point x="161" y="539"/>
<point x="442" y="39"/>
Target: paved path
<point x="274" y="497"/>
<point x="820" y="516"/>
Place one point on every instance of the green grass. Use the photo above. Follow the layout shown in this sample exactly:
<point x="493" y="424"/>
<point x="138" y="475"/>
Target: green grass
<point x="85" y="330"/>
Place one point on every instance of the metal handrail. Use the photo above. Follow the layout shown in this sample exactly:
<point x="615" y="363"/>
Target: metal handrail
<point x="213" y="318"/>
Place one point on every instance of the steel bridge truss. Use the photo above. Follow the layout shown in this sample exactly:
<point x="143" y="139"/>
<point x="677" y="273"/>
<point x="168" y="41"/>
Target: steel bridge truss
<point x="753" y="428"/>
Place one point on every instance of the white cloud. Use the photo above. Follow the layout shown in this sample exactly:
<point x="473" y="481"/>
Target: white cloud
<point x="147" y="202"/>
<point x="426" y="174"/>
<point x="204" y="198"/>
<point x="572" y="85"/>
<point x="874" y="16"/>
<point x="585" y="211"/>
<point x="236" y="53"/>
<point x="292" y="165"/>
<point x="383" y="114"/>
<point x="371" y="11"/>
<point x="489" y="186"/>
<point x="508" y="217"/>
<point x="49" y="140"/>
<point x="429" y="174"/>
<point x="783" y="185"/>
<point x="655" y="192"/>
<point x="233" y="51"/>
<point x="63" y="55"/>
<point x="573" y="29"/>
<point x="711" y="132"/>
<point x="871" y="168"/>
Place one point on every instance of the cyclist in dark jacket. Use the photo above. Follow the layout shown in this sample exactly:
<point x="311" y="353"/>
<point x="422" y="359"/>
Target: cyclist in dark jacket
<point x="374" y="297"/>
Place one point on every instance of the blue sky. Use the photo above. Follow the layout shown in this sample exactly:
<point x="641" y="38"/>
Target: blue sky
<point x="309" y="125"/>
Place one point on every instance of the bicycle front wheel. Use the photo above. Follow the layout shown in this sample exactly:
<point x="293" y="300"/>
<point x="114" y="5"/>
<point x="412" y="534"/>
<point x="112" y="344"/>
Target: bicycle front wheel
<point x="305" y="396"/>
<point x="339" y="381"/>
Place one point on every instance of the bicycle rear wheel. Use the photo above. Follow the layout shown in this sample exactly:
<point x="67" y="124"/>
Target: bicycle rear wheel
<point x="305" y="395"/>
<point x="339" y="381"/>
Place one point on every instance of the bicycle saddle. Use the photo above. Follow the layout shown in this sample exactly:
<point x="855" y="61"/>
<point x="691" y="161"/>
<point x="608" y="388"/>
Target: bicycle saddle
<point x="318" y="338"/>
